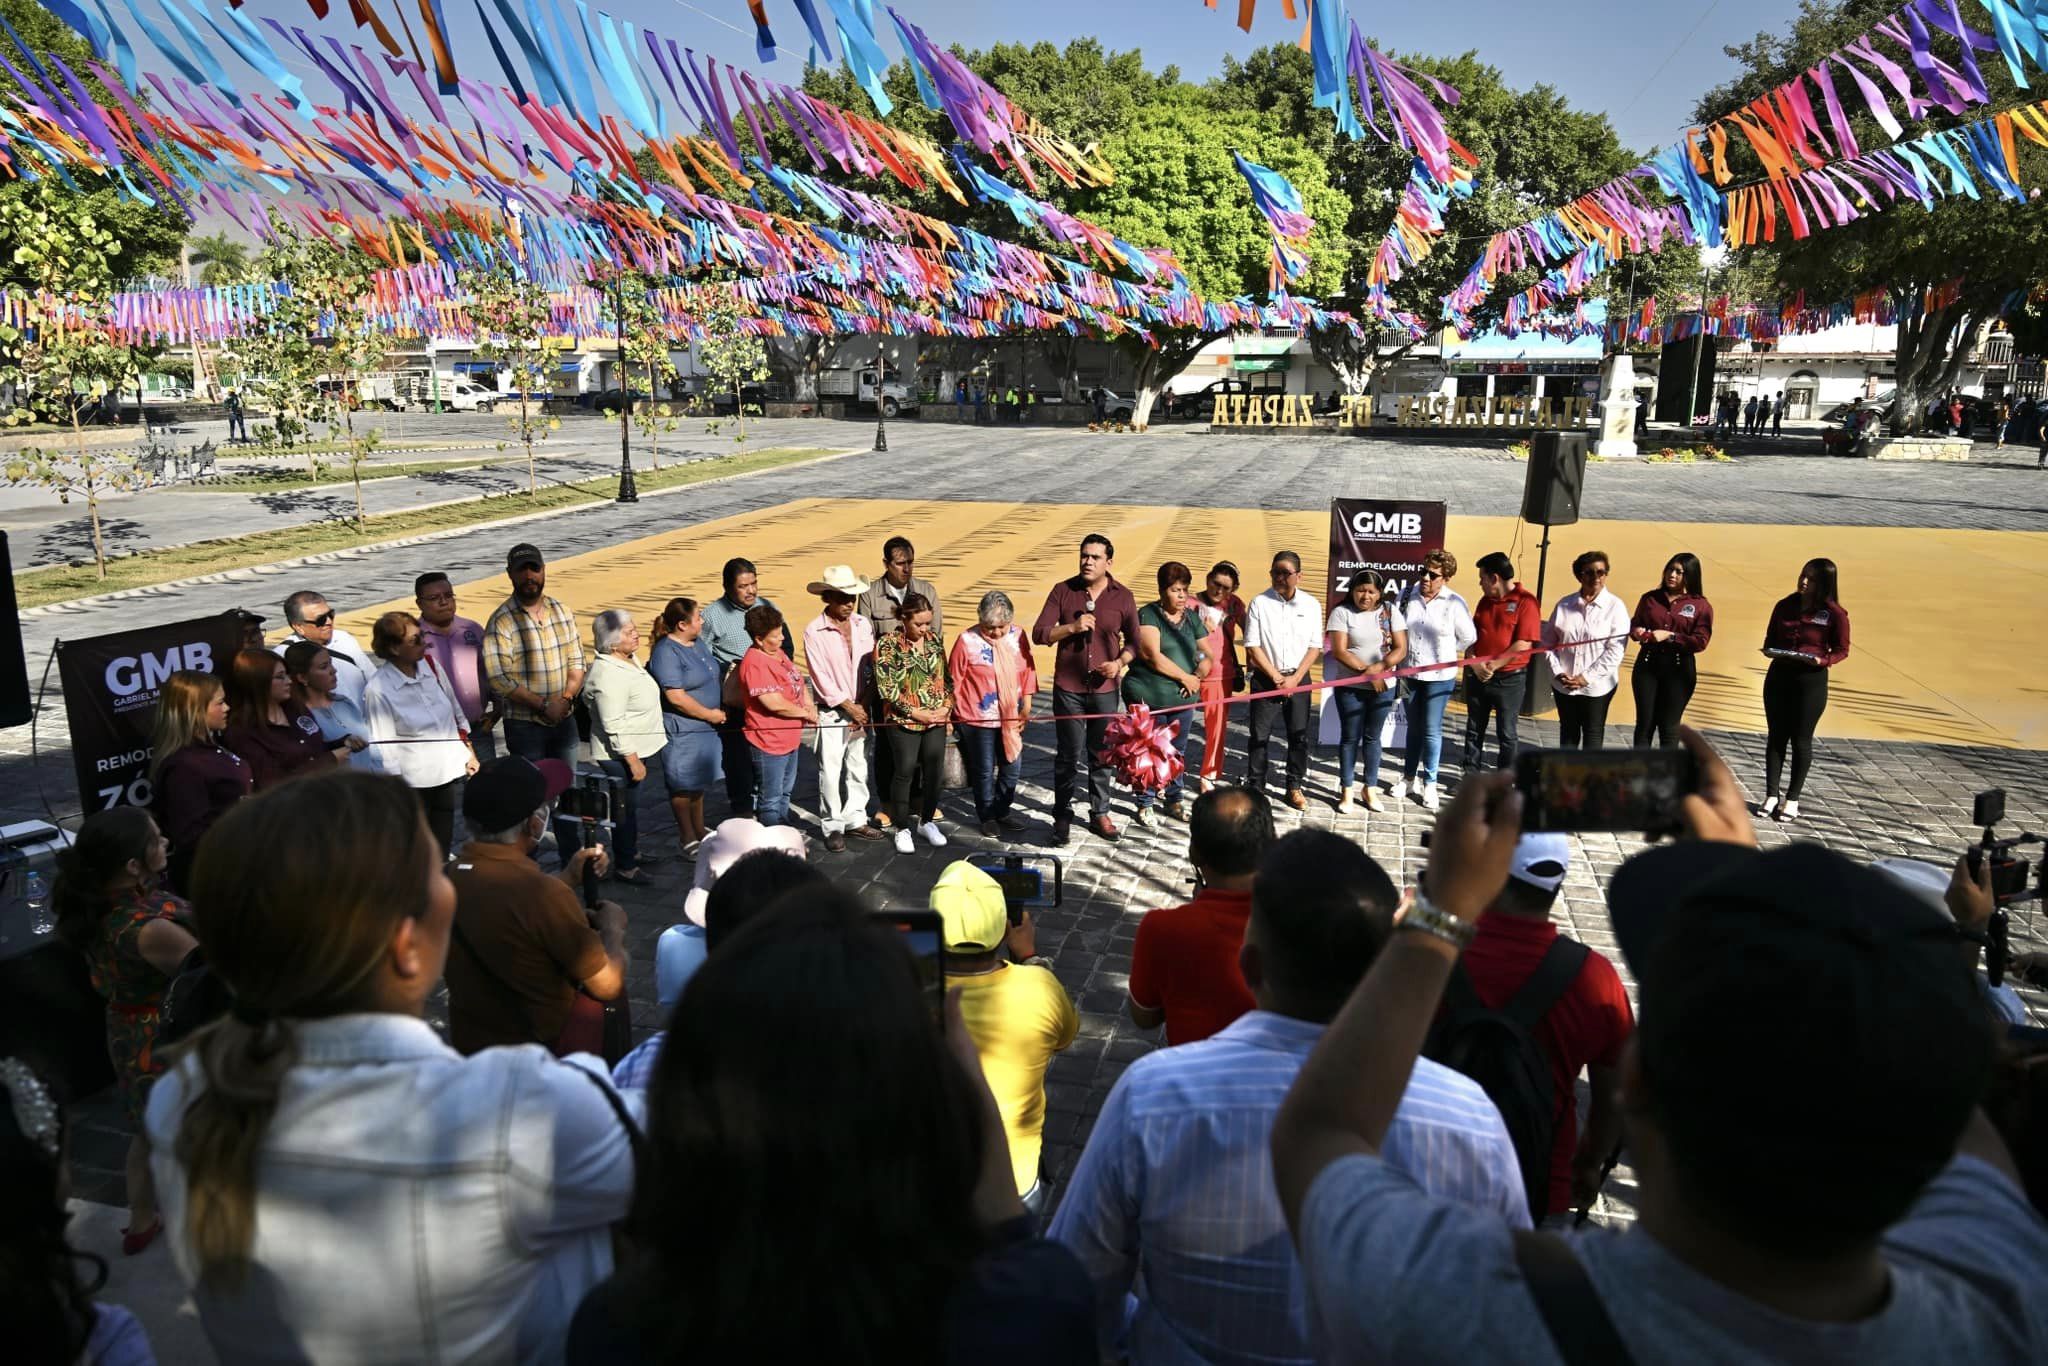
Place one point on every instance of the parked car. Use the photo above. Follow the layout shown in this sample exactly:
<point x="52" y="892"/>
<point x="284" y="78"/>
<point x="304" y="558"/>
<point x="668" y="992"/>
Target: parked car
<point x="610" y="400"/>
<point x="1200" y="403"/>
<point x="754" y="396"/>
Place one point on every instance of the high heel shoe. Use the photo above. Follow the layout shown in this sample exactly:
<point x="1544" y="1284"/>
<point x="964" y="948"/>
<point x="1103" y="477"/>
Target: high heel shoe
<point x="133" y="1243"/>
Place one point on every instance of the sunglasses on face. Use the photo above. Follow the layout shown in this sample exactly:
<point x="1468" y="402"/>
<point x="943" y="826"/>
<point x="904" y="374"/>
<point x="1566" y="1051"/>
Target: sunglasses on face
<point x="1430" y="574"/>
<point x="1593" y="573"/>
<point x="324" y="619"/>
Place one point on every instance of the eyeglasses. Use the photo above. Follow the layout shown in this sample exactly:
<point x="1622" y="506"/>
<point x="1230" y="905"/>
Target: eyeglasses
<point x="1590" y="573"/>
<point x="324" y="619"/>
<point x="1429" y="574"/>
<point x="1286" y="573"/>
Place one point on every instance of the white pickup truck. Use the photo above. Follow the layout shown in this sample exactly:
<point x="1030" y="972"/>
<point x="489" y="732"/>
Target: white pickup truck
<point x="862" y="386"/>
<point x="461" y="396"/>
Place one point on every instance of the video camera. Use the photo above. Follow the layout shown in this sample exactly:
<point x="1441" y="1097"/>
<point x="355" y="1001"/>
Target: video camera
<point x="1022" y="878"/>
<point x="592" y="803"/>
<point x="2008" y="877"/>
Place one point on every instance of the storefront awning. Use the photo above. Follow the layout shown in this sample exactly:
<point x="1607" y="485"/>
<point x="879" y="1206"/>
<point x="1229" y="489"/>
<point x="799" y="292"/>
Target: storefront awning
<point x="1254" y="365"/>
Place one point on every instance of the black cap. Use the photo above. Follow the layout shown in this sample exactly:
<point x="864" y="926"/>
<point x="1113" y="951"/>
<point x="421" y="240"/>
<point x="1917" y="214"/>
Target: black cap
<point x="245" y="616"/>
<point x="524" y="553"/>
<point x="1812" y="1040"/>
<point x="506" y="791"/>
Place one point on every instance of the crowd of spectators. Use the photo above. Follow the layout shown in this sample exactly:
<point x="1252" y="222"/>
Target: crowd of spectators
<point x="1375" y="1132"/>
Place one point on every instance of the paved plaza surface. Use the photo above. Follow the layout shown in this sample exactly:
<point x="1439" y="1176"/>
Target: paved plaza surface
<point x="1004" y="507"/>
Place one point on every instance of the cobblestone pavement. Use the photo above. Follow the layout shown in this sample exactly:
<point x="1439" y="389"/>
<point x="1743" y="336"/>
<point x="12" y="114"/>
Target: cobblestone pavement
<point x="1867" y="798"/>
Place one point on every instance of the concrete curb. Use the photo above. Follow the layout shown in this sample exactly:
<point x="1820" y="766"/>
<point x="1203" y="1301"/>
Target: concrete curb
<point x="251" y="573"/>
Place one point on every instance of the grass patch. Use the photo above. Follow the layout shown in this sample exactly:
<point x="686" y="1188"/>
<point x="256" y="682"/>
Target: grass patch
<point x="271" y="481"/>
<point x="62" y="583"/>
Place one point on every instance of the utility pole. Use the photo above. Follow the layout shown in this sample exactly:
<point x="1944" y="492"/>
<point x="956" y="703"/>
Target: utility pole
<point x="1699" y="355"/>
<point x="628" y="491"/>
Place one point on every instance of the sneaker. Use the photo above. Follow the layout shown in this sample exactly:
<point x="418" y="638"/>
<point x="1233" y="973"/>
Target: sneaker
<point x="1344" y="803"/>
<point x="690" y="850"/>
<point x="1789" y="811"/>
<point x="1429" y="796"/>
<point x="1769" y="807"/>
<point x="1399" y="790"/>
<point x="933" y="836"/>
<point x="989" y="830"/>
<point x="1144" y="817"/>
<point x="903" y="843"/>
<point x="1372" y="799"/>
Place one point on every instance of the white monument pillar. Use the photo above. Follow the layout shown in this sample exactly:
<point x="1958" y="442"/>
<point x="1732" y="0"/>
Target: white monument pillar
<point x="1617" y="440"/>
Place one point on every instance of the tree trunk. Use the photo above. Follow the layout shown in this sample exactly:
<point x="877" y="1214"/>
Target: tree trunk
<point x="653" y="417"/>
<point x="92" y="492"/>
<point x="355" y="460"/>
<point x="526" y="439"/>
<point x="1159" y="365"/>
<point x="1931" y="349"/>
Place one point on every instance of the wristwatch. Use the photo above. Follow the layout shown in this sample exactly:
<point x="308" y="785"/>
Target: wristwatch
<point x="1429" y="918"/>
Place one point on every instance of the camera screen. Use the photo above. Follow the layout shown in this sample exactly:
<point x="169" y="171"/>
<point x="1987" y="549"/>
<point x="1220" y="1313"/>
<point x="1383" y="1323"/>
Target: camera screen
<point x="1604" y="789"/>
<point x="922" y="934"/>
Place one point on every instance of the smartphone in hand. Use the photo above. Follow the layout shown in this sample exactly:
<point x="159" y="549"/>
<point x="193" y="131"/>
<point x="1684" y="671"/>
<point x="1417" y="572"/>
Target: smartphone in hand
<point x="925" y="937"/>
<point x="1605" y="789"/>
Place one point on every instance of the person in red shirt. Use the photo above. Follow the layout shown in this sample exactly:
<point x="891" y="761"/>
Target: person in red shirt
<point x="1808" y="634"/>
<point x="1184" y="965"/>
<point x="1673" y="622"/>
<point x="1586" y="1028"/>
<point x="1510" y="622"/>
<point x="778" y="706"/>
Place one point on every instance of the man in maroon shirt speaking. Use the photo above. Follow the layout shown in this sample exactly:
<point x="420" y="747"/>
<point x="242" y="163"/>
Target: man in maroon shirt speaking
<point x="1091" y="621"/>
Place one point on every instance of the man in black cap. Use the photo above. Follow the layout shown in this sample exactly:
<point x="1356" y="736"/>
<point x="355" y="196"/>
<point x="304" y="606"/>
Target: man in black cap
<point x="529" y="964"/>
<point x="1801" y="1096"/>
<point x="534" y="662"/>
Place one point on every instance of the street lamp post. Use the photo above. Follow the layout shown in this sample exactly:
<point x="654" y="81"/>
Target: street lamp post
<point x="881" y="413"/>
<point x="629" y="492"/>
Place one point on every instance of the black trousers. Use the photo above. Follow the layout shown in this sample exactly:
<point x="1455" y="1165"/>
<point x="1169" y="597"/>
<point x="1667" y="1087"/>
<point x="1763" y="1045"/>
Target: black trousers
<point x="440" y="804"/>
<point x="1079" y="743"/>
<point x="1500" y="696"/>
<point x="1795" y="695"/>
<point x="911" y="753"/>
<point x="1581" y="721"/>
<point x="1265" y="711"/>
<point x="739" y="768"/>
<point x="1663" y="684"/>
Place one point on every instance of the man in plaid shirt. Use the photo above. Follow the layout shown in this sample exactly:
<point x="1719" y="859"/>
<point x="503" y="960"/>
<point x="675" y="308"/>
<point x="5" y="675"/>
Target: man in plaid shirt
<point x="534" y="662"/>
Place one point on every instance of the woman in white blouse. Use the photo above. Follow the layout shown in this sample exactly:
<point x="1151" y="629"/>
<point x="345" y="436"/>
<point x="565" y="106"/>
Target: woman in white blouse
<point x="625" y="729"/>
<point x="415" y="722"/>
<point x="1366" y="640"/>
<point x="1440" y="630"/>
<point x="1589" y="632"/>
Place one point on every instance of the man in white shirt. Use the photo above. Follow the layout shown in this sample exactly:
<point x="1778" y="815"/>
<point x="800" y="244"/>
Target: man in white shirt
<point x="1172" y="1209"/>
<point x="1283" y="636"/>
<point x="310" y="618"/>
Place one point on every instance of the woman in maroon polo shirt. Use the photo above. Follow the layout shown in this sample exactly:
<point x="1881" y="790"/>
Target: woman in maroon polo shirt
<point x="1808" y="635"/>
<point x="272" y="732"/>
<point x="1673" y="622"/>
<point x="193" y="779"/>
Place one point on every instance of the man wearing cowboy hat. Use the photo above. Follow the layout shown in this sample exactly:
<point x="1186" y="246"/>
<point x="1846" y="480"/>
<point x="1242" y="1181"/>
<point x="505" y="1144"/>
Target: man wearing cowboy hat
<point x="839" y="655"/>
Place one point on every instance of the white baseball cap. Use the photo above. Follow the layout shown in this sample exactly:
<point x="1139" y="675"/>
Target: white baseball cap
<point x="1542" y="859"/>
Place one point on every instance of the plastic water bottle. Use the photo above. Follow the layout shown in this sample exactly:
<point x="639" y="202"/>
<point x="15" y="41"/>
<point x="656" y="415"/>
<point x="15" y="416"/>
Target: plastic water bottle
<point x="35" y="893"/>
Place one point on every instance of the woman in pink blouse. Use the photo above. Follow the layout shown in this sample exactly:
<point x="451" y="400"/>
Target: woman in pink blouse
<point x="993" y="681"/>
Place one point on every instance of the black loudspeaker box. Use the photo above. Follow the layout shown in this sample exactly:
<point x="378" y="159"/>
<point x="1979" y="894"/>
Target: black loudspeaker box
<point x="14" y="700"/>
<point x="1557" y="478"/>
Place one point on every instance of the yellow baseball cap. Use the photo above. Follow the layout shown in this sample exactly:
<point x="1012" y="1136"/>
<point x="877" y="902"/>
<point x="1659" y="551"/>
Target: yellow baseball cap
<point x="972" y="913"/>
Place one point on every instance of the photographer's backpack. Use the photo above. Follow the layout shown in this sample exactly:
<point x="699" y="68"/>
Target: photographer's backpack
<point x="1499" y="1050"/>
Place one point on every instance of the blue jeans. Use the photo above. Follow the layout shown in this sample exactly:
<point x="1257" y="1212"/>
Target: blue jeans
<point x="1426" y="703"/>
<point x="537" y="740"/>
<point x="774" y="781"/>
<point x="1362" y="715"/>
<point x="626" y="817"/>
<point x="991" y="777"/>
<point x="1186" y="720"/>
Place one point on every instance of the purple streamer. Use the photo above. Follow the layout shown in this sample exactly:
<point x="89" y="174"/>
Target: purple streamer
<point x="1845" y="137"/>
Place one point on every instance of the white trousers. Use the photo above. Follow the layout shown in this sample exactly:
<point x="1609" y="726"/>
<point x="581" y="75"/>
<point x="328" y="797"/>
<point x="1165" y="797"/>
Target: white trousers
<point x="842" y="774"/>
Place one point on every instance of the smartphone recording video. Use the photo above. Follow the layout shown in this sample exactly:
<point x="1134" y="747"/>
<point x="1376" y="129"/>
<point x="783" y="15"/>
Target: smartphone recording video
<point x="922" y="933"/>
<point x="1605" y="789"/>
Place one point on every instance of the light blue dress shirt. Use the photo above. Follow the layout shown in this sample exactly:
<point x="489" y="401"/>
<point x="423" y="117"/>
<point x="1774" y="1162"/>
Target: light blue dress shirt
<point x="1172" y="1208"/>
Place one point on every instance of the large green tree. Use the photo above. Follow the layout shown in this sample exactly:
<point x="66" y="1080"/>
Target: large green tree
<point x="1995" y="246"/>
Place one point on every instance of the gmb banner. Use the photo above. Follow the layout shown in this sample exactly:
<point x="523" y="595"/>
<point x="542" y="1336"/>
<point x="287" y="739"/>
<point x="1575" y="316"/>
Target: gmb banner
<point x="111" y="684"/>
<point x="1391" y="536"/>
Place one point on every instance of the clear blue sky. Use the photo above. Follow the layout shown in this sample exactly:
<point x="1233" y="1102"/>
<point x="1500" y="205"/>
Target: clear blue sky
<point x="1601" y="54"/>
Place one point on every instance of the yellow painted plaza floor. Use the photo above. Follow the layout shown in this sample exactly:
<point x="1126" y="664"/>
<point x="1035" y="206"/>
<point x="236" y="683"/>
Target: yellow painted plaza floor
<point x="1943" y="620"/>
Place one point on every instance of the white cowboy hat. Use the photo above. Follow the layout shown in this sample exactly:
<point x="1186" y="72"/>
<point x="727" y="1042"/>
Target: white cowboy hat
<point x="839" y="578"/>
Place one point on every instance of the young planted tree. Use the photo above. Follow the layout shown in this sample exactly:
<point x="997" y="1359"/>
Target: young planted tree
<point x="355" y="349"/>
<point x="282" y="361"/>
<point x="646" y="353"/>
<point x="509" y="310"/>
<point x="731" y="356"/>
<point x="60" y="276"/>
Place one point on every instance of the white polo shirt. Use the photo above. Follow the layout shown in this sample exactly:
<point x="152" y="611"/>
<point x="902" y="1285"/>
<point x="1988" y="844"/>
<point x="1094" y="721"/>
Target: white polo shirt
<point x="1440" y="629"/>
<point x="416" y="724"/>
<point x="1286" y="629"/>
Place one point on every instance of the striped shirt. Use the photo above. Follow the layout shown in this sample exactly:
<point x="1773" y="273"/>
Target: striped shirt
<point x="538" y="655"/>
<point x="1172" y="1208"/>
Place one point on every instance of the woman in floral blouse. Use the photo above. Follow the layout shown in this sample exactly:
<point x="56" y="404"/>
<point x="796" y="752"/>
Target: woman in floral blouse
<point x="910" y="679"/>
<point x="134" y="938"/>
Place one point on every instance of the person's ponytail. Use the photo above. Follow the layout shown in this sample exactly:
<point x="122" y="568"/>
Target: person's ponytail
<point x="296" y="939"/>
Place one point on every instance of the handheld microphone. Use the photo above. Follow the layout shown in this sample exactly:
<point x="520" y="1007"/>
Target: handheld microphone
<point x="1090" y="608"/>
